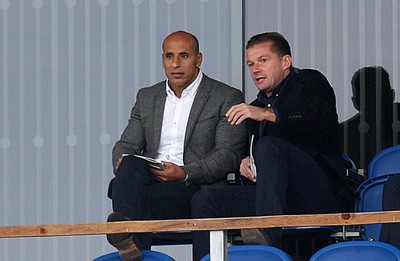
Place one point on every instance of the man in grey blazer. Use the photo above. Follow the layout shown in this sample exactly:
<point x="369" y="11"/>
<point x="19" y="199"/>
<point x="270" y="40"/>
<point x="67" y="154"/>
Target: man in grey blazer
<point x="182" y="123"/>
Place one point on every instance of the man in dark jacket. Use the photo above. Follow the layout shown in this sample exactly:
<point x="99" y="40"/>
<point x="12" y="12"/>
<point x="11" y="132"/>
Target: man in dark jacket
<point x="295" y="166"/>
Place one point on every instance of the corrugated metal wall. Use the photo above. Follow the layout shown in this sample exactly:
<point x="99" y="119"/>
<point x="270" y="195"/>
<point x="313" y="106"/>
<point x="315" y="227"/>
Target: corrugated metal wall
<point x="69" y="71"/>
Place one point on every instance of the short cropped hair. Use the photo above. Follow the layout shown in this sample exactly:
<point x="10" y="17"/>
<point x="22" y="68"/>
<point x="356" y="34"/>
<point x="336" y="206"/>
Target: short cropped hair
<point x="279" y="44"/>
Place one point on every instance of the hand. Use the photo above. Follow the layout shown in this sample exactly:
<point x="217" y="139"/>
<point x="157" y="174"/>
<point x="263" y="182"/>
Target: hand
<point x="118" y="163"/>
<point x="172" y="173"/>
<point x="245" y="169"/>
<point x="238" y="113"/>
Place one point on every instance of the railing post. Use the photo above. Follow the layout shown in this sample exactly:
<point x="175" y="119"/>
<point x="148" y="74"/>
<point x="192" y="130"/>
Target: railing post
<point x="218" y="245"/>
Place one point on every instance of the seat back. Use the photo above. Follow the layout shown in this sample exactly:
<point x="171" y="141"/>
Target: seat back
<point x="353" y="176"/>
<point x="349" y="162"/>
<point x="254" y="253"/>
<point x="369" y="194"/>
<point x="148" y="255"/>
<point x="357" y="250"/>
<point x="369" y="199"/>
<point x="385" y="162"/>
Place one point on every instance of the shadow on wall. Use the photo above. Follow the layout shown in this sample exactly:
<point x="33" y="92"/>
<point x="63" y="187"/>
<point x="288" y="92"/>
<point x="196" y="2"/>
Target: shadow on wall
<point x="376" y="126"/>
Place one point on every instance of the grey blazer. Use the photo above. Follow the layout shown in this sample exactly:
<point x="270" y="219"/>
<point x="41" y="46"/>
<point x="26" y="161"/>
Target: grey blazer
<point x="212" y="147"/>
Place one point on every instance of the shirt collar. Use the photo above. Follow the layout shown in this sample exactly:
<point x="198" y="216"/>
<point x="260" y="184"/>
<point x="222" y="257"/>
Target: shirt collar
<point x="262" y="97"/>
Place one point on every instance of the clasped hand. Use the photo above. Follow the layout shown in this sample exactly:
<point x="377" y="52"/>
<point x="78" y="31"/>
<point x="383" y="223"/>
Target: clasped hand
<point x="172" y="173"/>
<point x="240" y="112"/>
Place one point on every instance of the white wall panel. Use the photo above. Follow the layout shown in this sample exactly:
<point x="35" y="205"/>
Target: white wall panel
<point x="69" y="72"/>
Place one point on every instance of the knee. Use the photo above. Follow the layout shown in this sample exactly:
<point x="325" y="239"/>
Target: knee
<point x="269" y="145"/>
<point x="202" y="202"/>
<point x="133" y="170"/>
<point x="128" y="164"/>
<point x="269" y="141"/>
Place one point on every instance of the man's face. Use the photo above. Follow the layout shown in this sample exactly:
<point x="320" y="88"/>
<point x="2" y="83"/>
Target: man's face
<point x="180" y="60"/>
<point x="267" y="68"/>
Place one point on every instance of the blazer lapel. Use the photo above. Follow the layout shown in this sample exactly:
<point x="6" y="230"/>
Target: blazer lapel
<point x="197" y="107"/>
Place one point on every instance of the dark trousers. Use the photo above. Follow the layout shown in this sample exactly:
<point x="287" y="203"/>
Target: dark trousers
<point x="390" y="233"/>
<point x="136" y="194"/>
<point x="289" y="181"/>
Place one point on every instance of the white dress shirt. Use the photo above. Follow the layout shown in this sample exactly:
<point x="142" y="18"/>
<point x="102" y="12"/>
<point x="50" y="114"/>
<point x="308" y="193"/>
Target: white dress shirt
<point x="175" y="119"/>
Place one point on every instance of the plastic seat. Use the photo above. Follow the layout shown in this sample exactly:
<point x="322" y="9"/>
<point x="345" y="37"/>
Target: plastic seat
<point x="353" y="176"/>
<point x="369" y="194"/>
<point x="385" y="162"/>
<point x="358" y="250"/>
<point x="254" y="253"/>
<point x="148" y="255"/>
<point x="349" y="162"/>
<point x="369" y="199"/>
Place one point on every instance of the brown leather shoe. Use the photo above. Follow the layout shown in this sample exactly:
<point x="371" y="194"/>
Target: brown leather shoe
<point x="255" y="236"/>
<point x="125" y="242"/>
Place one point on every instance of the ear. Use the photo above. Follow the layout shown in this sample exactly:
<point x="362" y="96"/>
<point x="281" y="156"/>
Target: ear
<point x="162" y="61"/>
<point x="287" y="61"/>
<point x="199" y="59"/>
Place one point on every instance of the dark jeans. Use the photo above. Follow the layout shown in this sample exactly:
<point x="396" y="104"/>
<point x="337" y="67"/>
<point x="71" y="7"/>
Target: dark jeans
<point x="136" y="194"/>
<point x="390" y="233"/>
<point x="289" y="181"/>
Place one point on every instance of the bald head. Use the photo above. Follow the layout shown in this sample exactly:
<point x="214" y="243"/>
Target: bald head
<point x="183" y="36"/>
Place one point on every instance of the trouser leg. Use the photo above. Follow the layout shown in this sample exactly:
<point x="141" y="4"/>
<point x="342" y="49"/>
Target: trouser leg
<point x="228" y="201"/>
<point x="136" y="194"/>
<point x="129" y="188"/>
<point x="290" y="181"/>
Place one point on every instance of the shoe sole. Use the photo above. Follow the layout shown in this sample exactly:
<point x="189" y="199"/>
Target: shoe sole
<point x="128" y="251"/>
<point x="124" y="242"/>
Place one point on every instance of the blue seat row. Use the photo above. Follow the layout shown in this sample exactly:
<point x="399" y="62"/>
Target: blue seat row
<point x="344" y="251"/>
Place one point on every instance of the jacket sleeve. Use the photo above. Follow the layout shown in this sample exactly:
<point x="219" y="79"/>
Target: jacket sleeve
<point x="132" y="140"/>
<point x="227" y="145"/>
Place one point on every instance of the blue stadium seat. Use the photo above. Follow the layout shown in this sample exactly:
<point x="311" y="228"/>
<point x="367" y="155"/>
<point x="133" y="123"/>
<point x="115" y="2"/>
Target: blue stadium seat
<point x="357" y="250"/>
<point x="148" y="255"/>
<point x="369" y="194"/>
<point x="369" y="199"/>
<point x="254" y="253"/>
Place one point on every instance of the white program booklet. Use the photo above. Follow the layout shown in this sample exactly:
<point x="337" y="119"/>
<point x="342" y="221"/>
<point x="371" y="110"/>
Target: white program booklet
<point x="153" y="163"/>
<point x="252" y="163"/>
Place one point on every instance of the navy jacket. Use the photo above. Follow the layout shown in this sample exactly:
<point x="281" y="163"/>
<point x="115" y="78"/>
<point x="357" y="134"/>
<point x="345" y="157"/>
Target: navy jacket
<point x="307" y="118"/>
